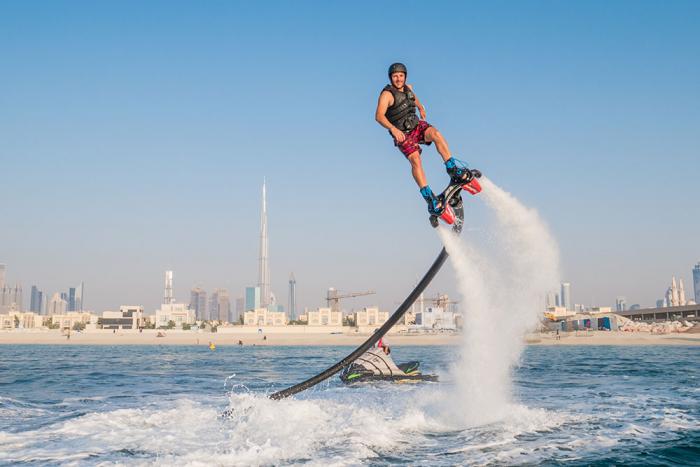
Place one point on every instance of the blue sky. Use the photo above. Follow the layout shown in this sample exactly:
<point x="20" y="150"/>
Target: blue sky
<point x="134" y="138"/>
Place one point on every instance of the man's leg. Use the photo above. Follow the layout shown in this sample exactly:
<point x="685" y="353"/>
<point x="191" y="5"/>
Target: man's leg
<point x="434" y="205"/>
<point x="417" y="169"/>
<point x="456" y="172"/>
<point x="434" y="136"/>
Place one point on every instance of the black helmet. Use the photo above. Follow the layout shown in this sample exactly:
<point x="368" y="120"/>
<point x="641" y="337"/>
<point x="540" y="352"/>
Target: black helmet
<point x="397" y="68"/>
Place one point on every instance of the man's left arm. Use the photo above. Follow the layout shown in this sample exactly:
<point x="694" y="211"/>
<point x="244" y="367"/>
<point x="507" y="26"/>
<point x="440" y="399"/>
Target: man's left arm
<point x="421" y="109"/>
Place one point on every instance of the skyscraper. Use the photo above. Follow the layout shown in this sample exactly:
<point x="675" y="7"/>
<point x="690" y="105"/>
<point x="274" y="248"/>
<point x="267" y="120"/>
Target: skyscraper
<point x="79" y="297"/>
<point x="566" y="295"/>
<point x="71" y="299"/>
<point x="168" y="293"/>
<point x="292" y="297"/>
<point x="551" y="300"/>
<point x="11" y="298"/>
<point x="220" y="305"/>
<point x="263" y="265"/>
<point x="2" y="275"/>
<point x="252" y="298"/>
<point x="36" y="300"/>
<point x="696" y="282"/>
<point x="240" y="310"/>
<point x="198" y="303"/>
<point x="57" y="305"/>
<point x="620" y="304"/>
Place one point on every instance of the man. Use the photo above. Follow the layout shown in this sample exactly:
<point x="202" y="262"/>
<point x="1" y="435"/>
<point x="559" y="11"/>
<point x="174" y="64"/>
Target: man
<point x="396" y="111"/>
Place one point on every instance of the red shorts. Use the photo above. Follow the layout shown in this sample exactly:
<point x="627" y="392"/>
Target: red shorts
<point x="413" y="139"/>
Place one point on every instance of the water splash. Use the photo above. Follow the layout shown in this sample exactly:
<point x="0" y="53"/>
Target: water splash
<point x="503" y="297"/>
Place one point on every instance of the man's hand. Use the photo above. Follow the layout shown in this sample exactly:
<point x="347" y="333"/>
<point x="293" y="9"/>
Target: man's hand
<point x="398" y="135"/>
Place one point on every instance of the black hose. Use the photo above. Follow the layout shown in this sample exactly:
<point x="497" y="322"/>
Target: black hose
<point x="393" y="319"/>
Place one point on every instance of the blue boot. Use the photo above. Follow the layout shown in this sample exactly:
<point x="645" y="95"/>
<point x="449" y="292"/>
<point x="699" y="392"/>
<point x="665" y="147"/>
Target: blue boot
<point x="458" y="172"/>
<point x="435" y="207"/>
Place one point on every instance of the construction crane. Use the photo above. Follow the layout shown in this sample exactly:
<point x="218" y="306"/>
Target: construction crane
<point x="333" y="298"/>
<point x="442" y="300"/>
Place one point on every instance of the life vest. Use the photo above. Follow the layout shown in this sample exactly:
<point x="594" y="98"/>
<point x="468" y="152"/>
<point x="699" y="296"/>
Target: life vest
<point x="402" y="114"/>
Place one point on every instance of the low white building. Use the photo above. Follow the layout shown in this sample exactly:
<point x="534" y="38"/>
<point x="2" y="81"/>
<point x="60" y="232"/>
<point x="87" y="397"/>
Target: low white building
<point x="324" y="317"/>
<point x="178" y="313"/>
<point x="69" y="319"/>
<point x="15" y="319"/>
<point x="264" y="317"/>
<point x="128" y="317"/>
<point x="370" y="316"/>
<point x="436" y="318"/>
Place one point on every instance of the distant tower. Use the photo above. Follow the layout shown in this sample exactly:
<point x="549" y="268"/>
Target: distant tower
<point x="620" y="304"/>
<point x="566" y="295"/>
<point x="71" y="299"/>
<point x="220" y="306"/>
<point x="263" y="266"/>
<point x="198" y="303"/>
<point x="696" y="281"/>
<point x="292" y="297"/>
<point x="56" y="306"/>
<point x="551" y="299"/>
<point x="252" y="298"/>
<point x="168" y="295"/>
<point x="681" y="293"/>
<point x="36" y="300"/>
<point x="240" y="309"/>
<point x="3" y="267"/>
<point x="674" y="292"/>
<point x="79" y="297"/>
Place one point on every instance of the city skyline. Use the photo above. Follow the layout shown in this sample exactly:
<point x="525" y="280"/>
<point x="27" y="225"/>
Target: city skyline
<point x="250" y="297"/>
<point x="588" y="122"/>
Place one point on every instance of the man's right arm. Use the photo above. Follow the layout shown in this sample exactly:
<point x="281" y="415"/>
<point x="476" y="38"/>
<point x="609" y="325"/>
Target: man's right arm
<point x="385" y="100"/>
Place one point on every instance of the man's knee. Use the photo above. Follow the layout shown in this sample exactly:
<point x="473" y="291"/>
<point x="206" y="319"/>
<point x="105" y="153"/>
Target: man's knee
<point x="432" y="134"/>
<point x="414" y="158"/>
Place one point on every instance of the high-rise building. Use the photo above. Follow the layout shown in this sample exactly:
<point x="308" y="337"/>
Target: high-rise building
<point x="2" y="275"/>
<point x="263" y="264"/>
<point x="240" y="310"/>
<point x="565" y="298"/>
<point x="661" y="303"/>
<point x="252" y="298"/>
<point x="620" y="304"/>
<point x="551" y="300"/>
<point x="80" y="297"/>
<point x="696" y="282"/>
<point x="220" y="305"/>
<point x="11" y="298"/>
<point x="57" y="305"/>
<point x="198" y="303"/>
<point x="168" y="293"/>
<point x="71" y="299"/>
<point x="292" y="297"/>
<point x="36" y="300"/>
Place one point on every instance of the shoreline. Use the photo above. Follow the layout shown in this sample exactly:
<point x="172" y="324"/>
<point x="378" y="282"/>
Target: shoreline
<point x="149" y="337"/>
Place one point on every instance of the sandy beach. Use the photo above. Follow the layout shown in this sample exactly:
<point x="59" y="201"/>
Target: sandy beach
<point x="150" y="337"/>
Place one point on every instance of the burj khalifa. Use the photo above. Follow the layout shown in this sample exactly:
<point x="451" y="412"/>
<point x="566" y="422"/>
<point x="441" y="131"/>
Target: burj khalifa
<point x="263" y="265"/>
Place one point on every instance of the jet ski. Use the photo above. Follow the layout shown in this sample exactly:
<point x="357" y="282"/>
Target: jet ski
<point x="375" y="365"/>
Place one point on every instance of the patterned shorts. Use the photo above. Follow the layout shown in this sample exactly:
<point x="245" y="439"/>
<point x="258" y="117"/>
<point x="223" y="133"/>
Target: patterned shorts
<point x="413" y="139"/>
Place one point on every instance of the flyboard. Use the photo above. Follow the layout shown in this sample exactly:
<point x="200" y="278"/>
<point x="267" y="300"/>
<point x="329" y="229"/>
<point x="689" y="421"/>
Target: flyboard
<point x="453" y="215"/>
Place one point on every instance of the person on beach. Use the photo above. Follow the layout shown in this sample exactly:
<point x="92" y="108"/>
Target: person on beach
<point x="396" y="111"/>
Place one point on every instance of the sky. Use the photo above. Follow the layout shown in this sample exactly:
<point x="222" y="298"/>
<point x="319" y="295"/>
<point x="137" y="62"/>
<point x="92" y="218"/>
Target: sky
<point x="135" y="137"/>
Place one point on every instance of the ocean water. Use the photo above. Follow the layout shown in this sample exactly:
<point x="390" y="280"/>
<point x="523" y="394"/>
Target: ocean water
<point x="102" y="405"/>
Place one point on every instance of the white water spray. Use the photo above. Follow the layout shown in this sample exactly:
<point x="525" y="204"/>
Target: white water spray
<point x="503" y="298"/>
